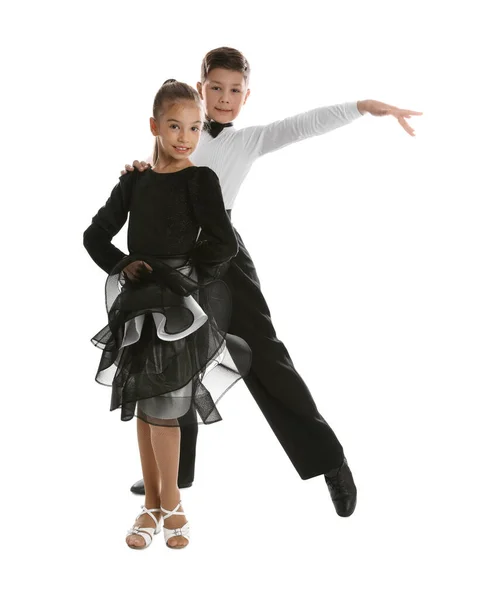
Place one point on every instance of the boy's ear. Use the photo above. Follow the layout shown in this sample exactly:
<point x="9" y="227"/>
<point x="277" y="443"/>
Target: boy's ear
<point x="153" y="126"/>
<point x="246" y="96"/>
<point x="199" y="89"/>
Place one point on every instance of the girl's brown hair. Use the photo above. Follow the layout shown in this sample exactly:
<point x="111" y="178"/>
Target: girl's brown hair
<point x="225" y="58"/>
<point x="170" y="92"/>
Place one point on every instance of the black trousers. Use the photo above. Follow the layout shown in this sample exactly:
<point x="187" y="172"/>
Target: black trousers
<point x="278" y="389"/>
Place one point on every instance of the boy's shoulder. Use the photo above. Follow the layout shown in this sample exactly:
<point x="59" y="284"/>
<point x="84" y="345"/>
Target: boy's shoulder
<point x="245" y="136"/>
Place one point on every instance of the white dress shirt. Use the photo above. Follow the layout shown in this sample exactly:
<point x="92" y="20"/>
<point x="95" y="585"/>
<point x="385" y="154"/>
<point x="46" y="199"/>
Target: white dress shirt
<point x="231" y="154"/>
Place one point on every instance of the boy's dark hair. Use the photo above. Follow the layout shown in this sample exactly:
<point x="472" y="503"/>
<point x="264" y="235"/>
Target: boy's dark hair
<point x="172" y="91"/>
<point x="225" y="58"/>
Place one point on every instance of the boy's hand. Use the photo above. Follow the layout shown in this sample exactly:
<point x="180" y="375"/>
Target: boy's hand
<point x="137" y="270"/>
<point x="380" y="109"/>
<point x="141" y="166"/>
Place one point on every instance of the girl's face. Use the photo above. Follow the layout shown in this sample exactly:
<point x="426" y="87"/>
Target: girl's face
<point x="178" y="129"/>
<point x="224" y="93"/>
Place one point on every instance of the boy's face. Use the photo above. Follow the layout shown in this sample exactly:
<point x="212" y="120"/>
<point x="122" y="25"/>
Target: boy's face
<point x="224" y="93"/>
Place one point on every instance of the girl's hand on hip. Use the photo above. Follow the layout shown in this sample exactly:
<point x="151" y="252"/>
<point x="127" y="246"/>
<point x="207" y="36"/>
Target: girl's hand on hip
<point x="137" y="270"/>
<point x="380" y="109"/>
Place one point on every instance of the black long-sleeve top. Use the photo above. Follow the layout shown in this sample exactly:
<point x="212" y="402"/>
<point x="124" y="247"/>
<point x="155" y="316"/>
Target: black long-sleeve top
<point x="165" y="211"/>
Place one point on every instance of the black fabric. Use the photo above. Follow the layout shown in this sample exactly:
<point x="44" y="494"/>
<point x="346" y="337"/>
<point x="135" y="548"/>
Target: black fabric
<point x="160" y="380"/>
<point x="214" y="128"/>
<point x="167" y="333"/>
<point x="273" y="381"/>
<point x="163" y="220"/>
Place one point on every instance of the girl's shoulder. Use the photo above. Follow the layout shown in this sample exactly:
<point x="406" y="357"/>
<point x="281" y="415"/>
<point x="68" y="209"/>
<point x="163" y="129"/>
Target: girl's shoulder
<point x="130" y="177"/>
<point x="203" y="183"/>
<point x="133" y="182"/>
<point x="205" y="174"/>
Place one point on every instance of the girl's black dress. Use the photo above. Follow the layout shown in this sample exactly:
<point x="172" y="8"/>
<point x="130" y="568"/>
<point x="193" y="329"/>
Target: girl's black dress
<point x="165" y="350"/>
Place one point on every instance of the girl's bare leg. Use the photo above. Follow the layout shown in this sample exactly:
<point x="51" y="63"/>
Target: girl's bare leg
<point x="159" y="451"/>
<point x="151" y="481"/>
<point x="166" y="444"/>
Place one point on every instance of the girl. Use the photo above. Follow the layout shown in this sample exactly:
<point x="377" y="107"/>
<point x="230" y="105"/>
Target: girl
<point x="168" y="313"/>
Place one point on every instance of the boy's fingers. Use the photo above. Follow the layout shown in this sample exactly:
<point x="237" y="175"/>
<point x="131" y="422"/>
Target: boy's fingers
<point x="406" y="126"/>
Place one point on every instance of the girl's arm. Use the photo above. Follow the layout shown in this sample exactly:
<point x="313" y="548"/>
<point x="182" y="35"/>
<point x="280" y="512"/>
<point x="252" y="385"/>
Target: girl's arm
<point x="217" y="242"/>
<point x="269" y="138"/>
<point x="107" y="223"/>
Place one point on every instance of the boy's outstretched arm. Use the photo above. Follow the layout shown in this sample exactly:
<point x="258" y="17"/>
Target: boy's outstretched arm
<point x="276" y="135"/>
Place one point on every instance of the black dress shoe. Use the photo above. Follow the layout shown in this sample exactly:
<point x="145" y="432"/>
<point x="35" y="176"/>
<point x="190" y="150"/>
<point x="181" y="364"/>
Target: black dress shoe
<point x="342" y="489"/>
<point x="138" y="487"/>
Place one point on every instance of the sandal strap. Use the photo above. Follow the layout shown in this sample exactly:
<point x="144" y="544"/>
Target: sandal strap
<point x="173" y="512"/>
<point x="183" y="531"/>
<point x="150" y="511"/>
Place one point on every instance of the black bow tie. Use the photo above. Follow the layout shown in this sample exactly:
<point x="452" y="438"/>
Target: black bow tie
<point x="214" y="128"/>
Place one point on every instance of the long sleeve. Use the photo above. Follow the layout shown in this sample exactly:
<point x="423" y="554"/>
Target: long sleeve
<point x="263" y="139"/>
<point x="217" y="242"/>
<point x="107" y="223"/>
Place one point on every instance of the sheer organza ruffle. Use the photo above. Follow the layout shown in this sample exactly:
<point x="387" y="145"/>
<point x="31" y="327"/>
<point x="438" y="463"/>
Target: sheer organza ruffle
<point x="165" y="350"/>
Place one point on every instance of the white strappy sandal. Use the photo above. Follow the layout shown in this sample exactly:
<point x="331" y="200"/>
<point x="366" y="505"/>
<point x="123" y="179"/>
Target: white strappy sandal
<point x="180" y="531"/>
<point x="146" y="532"/>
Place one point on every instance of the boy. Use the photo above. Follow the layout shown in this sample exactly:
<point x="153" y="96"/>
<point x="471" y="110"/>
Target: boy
<point x="278" y="389"/>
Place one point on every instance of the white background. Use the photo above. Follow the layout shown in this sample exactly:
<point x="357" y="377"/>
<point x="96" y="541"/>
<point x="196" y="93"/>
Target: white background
<point x="385" y="223"/>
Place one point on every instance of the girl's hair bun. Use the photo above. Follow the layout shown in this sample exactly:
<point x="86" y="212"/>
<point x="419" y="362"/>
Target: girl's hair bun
<point x="169" y="81"/>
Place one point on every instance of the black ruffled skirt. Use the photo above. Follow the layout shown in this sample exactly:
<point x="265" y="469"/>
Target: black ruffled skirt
<point x="166" y="352"/>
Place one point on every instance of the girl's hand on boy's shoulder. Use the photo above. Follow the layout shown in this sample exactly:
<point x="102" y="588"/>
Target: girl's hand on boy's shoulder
<point x="141" y="166"/>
